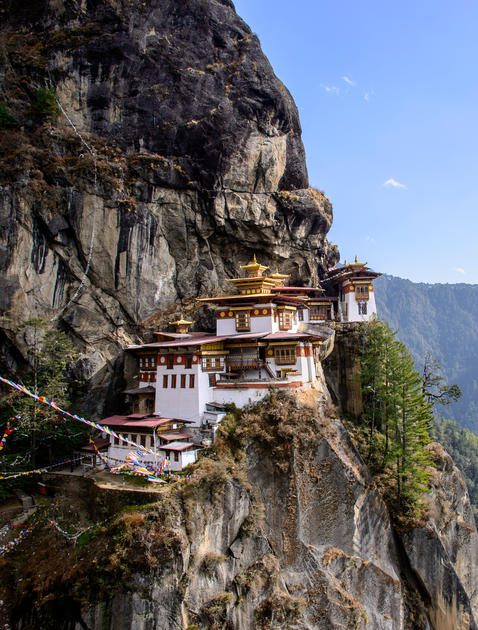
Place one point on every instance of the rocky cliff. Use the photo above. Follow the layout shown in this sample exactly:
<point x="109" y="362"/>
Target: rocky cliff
<point x="172" y="154"/>
<point x="283" y="528"/>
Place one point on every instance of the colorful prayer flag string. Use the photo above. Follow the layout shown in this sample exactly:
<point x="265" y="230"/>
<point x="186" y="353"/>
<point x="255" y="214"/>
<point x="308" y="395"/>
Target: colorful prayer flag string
<point x="38" y="471"/>
<point x="95" y="425"/>
<point x="5" y="435"/>
<point x="103" y="459"/>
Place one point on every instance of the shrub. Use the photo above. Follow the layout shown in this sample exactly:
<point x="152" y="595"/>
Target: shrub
<point x="279" y="608"/>
<point x="210" y="562"/>
<point x="6" y="120"/>
<point x="46" y="106"/>
<point x="215" y="610"/>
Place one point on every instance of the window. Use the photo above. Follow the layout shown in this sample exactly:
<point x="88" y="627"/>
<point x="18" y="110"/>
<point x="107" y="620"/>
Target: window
<point x="361" y="293"/>
<point x="362" y="308"/>
<point x="116" y="441"/>
<point x="134" y="437"/>
<point x="173" y="381"/>
<point x="176" y="457"/>
<point x="320" y="311"/>
<point x="301" y="315"/>
<point x="165" y="381"/>
<point x="146" y="362"/>
<point x="143" y="440"/>
<point x="243" y="320"/>
<point x="188" y="362"/>
<point x="210" y="363"/>
<point x="153" y="362"/>
<point x="183" y="381"/>
<point x="149" y="405"/>
<point x="285" y="356"/>
<point x="141" y="363"/>
<point x="285" y="320"/>
<point x="191" y="381"/>
<point x="212" y="380"/>
<point x="170" y="361"/>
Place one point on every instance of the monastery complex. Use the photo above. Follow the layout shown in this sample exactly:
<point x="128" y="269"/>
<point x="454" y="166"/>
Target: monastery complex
<point x="268" y="335"/>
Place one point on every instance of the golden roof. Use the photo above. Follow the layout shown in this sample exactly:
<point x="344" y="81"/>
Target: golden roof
<point x="356" y="263"/>
<point x="254" y="268"/>
<point x="277" y="277"/>
<point x="180" y="322"/>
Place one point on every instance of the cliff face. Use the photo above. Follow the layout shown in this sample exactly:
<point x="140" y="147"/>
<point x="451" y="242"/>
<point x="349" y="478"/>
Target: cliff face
<point x="176" y="155"/>
<point x="283" y="529"/>
<point x="444" y="553"/>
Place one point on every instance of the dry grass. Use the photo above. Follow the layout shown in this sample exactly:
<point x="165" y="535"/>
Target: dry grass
<point x="279" y="609"/>
<point x="278" y="424"/>
<point x="210" y="562"/>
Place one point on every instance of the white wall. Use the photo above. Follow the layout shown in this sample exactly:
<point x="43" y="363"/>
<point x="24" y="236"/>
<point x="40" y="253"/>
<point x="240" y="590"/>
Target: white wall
<point x="185" y="458"/>
<point x="120" y="451"/>
<point x="239" y="397"/>
<point x="262" y="324"/>
<point x="226" y="326"/>
<point x="179" y="402"/>
<point x="353" y="308"/>
<point x="184" y="403"/>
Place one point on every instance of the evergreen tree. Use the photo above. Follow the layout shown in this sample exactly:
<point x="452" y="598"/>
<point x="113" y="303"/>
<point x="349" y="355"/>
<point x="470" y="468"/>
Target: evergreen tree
<point x="435" y="387"/>
<point x="397" y="418"/>
<point x="50" y="353"/>
<point x="46" y="106"/>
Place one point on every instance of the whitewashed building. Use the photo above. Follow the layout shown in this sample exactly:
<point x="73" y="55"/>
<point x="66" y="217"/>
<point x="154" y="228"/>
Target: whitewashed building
<point x="268" y="335"/>
<point x="352" y="284"/>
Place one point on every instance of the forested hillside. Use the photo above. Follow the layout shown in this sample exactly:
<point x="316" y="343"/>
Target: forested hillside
<point x="441" y="319"/>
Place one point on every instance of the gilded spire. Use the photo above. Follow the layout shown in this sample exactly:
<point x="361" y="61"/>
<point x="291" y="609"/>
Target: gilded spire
<point x="254" y="269"/>
<point x="181" y="324"/>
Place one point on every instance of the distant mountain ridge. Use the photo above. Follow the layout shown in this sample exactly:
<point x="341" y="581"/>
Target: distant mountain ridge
<point x="441" y="319"/>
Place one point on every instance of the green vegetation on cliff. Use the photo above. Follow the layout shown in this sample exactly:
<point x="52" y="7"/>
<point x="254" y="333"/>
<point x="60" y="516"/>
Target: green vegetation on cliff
<point x="440" y="319"/>
<point x="396" y="420"/>
<point x="462" y="445"/>
<point x="41" y="434"/>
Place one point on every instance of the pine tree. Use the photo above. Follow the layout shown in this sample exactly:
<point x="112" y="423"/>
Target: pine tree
<point x="50" y="353"/>
<point x="397" y="417"/>
<point x="434" y="386"/>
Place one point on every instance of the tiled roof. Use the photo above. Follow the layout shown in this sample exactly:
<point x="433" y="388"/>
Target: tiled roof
<point x="173" y="437"/>
<point x="149" y="422"/>
<point x="178" y="446"/>
<point x="287" y="335"/>
<point x="100" y="443"/>
<point x="140" y="390"/>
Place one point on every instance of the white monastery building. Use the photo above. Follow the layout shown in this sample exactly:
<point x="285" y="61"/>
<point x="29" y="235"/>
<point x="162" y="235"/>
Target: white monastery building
<point x="268" y="335"/>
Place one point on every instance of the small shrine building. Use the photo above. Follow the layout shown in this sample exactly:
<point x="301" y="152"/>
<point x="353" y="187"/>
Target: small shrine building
<point x="352" y="285"/>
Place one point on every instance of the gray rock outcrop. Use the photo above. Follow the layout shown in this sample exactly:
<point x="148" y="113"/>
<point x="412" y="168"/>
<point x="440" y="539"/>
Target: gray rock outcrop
<point x="176" y="155"/>
<point x="444" y="552"/>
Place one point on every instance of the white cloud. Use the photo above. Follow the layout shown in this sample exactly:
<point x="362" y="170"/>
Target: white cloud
<point x="349" y="81"/>
<point x="366" y="97"/>
<point x="331" y="89"/>
<point x="393" y="183"/>
<point x="459" y="270"/>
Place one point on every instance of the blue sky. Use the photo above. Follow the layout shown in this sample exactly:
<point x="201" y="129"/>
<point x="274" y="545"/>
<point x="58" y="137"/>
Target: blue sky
<point x="388" y="101"/>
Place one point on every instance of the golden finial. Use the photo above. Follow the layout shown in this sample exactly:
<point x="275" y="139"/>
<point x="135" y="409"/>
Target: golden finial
<point x="254" y="269"/>
<point x="181" y="324"/>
